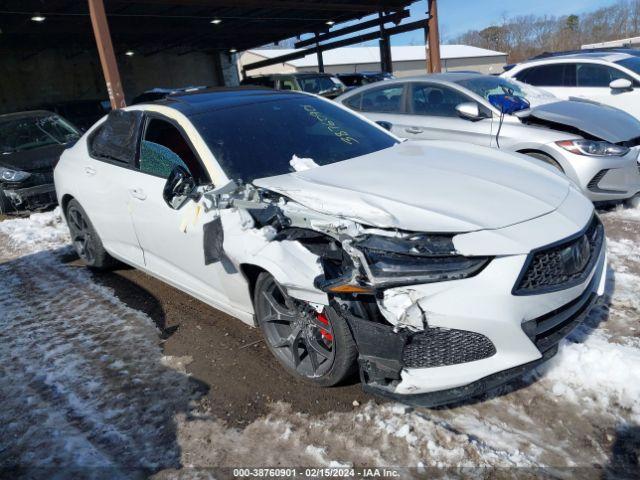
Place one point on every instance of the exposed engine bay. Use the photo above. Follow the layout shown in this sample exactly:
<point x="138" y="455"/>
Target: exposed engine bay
<point x="338" y="265"/>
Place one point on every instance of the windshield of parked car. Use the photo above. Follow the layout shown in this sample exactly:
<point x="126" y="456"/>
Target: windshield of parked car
<point x="485" y="86"/>
<point x="320" y="84"/>
<point x="259" y="139"/>
<point x="632" y="63"/>
<point x="26" y="133"/>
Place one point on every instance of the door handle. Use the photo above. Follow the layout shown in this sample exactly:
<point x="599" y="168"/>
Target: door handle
<point x="138" y="193"/>
<point x="413" y="130"/>
<point x="90" y="170"/>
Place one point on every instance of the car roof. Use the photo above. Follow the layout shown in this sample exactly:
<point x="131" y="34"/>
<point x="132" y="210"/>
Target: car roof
<point x="292" y="74"/>
<point x="193" y="103"/>
<point x="451" y="77"/>
<point x="607" y="56"/>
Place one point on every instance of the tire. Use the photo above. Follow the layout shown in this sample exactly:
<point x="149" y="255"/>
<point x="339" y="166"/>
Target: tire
<point x="85" y="239"/>
<point x="5" y="204"/>
<point x="296" y="335"/>
<point x="545" y="158"/>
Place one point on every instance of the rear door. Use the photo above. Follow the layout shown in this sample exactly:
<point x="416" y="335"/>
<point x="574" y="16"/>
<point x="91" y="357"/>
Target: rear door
<point x="433" y="116"/>
<point x="556" y="78"/>
<point x="383" y="104"/>
<point x="106" y="173"/>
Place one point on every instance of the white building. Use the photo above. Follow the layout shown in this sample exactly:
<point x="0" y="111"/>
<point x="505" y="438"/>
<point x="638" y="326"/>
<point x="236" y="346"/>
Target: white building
<point x="632" y="42"/>
<point x="407" y="60"/>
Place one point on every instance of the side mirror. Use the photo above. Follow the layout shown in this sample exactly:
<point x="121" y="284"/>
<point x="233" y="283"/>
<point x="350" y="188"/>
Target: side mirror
<point x="180" y="188"/>
<point x="621" y="84"/>
<point x="469" y="111"/>
<point x="386" y="125"/>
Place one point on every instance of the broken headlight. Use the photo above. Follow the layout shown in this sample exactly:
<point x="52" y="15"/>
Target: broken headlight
<point x="416" y="259"/>
<point x="9" y="175"/>
<point x="592" y="148"/>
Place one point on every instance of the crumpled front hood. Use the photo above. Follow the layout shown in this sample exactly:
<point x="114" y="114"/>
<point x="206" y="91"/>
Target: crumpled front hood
<point x="428" y="186"/>
<point x="597" y="120"/>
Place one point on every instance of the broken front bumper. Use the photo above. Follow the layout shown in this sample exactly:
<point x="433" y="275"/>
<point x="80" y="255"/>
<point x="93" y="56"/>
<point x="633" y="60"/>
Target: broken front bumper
<point x="31" y="198"/>
<point x="478" y="335"/>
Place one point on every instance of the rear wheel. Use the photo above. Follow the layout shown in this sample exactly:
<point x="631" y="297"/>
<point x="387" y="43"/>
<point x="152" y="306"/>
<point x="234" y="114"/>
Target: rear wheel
<point x="85" y="239"/>
<point x="309" y="344"/>
<point x="545" y="158"/>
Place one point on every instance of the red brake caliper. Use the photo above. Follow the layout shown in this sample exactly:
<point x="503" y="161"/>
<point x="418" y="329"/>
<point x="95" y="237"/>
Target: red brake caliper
<point x="322" y="318"/>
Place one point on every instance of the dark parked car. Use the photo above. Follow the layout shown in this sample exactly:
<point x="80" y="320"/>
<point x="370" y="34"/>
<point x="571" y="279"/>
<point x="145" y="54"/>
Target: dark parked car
<point x="82" y="113"/>
<point x="30" y="146"/>
<point x="358" y="79"/>
<point x="324" y="84"/>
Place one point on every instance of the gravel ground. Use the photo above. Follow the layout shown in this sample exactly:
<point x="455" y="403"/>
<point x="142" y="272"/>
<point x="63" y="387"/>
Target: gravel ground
<point x="117" y="375"/>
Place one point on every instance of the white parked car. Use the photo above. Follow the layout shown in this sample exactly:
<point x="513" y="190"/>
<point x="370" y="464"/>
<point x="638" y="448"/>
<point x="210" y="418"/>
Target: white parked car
<point x="594" y="145"/>
<point x="440" y="269"/>
<point x="608" y="77"/>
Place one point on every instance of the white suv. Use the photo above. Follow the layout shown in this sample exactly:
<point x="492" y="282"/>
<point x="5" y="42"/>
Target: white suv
<point x="440" y="269"/>
<point x="608" y="77"/>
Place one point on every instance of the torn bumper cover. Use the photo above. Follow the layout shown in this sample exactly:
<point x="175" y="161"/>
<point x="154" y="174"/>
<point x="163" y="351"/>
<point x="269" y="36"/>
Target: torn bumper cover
<point x="446" y="362"/>
<point x="31" y="198"/>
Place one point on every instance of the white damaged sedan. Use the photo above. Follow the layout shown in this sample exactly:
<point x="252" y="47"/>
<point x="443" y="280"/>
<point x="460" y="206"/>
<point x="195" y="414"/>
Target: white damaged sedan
<point x="438" y="270"/>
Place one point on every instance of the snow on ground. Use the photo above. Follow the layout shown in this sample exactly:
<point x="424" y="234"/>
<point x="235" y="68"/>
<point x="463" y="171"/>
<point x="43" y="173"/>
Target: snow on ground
<point x="85" y="383"/>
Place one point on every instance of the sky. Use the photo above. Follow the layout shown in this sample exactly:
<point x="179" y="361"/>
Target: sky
<point x="458" y="16"/>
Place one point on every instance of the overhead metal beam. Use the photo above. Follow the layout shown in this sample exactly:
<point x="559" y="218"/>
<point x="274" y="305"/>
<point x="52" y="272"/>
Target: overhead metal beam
<point x="434" y="64"/>
<point x="319" y="53"/>
<point x="408" y="27"/>
<point x="373" y="6"/>
<point x="376" y="22"/>
<point x="105" y="51"/>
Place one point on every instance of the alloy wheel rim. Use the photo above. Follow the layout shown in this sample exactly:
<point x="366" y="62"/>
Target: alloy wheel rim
<point x="81" y="236"/>
<point x="299" y="335"/>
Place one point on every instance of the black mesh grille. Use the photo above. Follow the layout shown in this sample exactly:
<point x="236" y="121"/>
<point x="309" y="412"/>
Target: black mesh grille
<point x="593" y="184"/>
<point x="563" y="265"/>
<point x="438" y="347"/>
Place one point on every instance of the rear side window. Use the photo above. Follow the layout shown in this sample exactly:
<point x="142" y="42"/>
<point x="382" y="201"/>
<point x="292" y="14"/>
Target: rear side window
<point x="544" y="76"/>
<point x="383" y="100"/>
<point x="354" y="102"/>
<point x="116" y="140"/>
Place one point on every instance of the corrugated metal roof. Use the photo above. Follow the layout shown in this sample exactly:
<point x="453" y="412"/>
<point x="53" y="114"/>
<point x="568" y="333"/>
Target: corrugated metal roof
<point x="360" y="55"/>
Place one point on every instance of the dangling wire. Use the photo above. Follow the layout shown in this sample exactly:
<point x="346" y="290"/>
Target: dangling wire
<point x="499" y="128"/>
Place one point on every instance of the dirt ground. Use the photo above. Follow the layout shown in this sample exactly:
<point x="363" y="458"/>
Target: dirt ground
<point x="118" y="373"/>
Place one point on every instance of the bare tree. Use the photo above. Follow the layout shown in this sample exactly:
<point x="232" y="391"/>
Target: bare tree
<point x="524" y="36"/>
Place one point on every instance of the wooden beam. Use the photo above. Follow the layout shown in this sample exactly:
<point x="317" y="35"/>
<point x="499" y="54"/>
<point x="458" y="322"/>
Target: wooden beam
<point x="105" y="51"/>
<point x="433" y="61"/>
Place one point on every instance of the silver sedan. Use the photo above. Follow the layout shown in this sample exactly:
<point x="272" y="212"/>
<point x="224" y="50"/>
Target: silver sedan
<point x="594" y="145"/>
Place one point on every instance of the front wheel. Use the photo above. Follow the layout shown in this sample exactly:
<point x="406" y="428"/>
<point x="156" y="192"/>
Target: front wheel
<point x="307" y="343"/>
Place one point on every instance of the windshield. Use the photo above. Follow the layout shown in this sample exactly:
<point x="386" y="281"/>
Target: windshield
<point x="632" y="63"/>
<point x="320" y="84"/>
<point x="27" y="133"/>
<point x="259" y="139"/>
<point x="485" y="86"/>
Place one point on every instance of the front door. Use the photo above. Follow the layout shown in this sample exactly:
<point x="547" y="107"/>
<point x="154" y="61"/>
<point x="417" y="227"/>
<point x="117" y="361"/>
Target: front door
<point x="433" y="116"/>
<point x="172" y="240"/>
